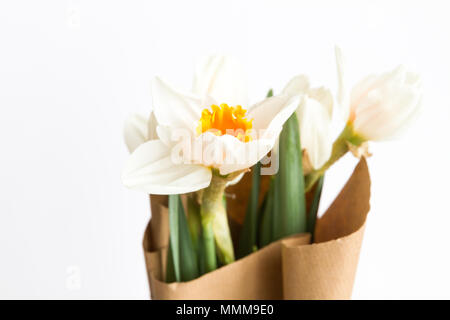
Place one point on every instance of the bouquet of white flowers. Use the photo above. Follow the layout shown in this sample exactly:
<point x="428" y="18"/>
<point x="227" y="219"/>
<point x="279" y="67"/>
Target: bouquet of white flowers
<point x="235" y="189"/>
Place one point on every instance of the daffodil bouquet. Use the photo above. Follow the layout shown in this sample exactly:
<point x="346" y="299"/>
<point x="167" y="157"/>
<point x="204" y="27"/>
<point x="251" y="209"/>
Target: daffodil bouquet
<point x="244" y="181"/>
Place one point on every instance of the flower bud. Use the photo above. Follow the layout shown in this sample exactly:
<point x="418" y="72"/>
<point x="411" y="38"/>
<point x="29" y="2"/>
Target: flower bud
<point x="382" y="106"/>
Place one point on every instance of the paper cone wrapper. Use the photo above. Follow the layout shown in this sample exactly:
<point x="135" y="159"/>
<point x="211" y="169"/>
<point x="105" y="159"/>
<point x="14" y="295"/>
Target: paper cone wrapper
<point x="291" y="268"/>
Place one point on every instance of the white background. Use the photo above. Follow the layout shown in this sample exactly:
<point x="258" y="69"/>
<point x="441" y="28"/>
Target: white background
<point x="72" y="71"/>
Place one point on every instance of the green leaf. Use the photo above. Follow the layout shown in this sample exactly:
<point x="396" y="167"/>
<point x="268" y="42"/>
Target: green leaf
<point x="188" y="257"/>
<point x="276" y="215"/>
<point x="266" y="223"/>
<point x="249" y="233"/>
<point x="194" y="220"/>
<point x="170" y="269"/>
<point x="312" y="215"/>
<point x="289" y="199"/>
<point x="173" y="260"/>
<point x="201" y="257"/>
<point x="182" y="262"/>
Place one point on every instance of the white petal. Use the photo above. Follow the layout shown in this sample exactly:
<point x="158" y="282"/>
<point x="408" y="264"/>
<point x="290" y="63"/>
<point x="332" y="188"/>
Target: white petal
<point x="383" y="114"/>
<point x="324" y="97"/>
<point x="227" y="153"/>
<point x="315" y="131"/>
<point x="151" y="127"/>
<point x="135" y="131"/>
<point x="242" y="155"/>
<point x="164" y="134"/>
<point x="384" y="105"/>
<point x="342" y="94"/>
<point x="175" y="109"/>
<point x="223" y="78"/>
<point x="361" y="90"/>
<point x="271" y="113"/>
<point x="298" y="85"/>
<point x="411" y="118"/>
<point x="150" y="168"/>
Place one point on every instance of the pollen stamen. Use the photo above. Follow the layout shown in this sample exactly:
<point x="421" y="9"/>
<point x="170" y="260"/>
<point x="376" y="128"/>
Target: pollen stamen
<point x="226" y="120"/>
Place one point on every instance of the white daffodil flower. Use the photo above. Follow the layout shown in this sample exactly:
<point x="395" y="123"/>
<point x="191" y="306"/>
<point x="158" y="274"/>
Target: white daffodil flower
<point x="209" y="72"/>
<point x="380" y="107"/>
<point x="314" y="115"/>
<point x="198" y="132"/>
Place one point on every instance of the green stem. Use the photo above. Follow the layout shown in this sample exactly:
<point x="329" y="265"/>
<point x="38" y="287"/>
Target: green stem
<point x="249" y="235"/>
<point x="215" y="224"/>
<point x="209" y="247"/>
<point x="340" y="148"/>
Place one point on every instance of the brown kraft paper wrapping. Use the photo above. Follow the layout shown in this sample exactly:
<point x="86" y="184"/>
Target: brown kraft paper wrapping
<point x="326" y="269"/>
<point x="290" y="268"/>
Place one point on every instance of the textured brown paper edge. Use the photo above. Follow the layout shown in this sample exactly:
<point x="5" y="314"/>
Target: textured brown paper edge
<point x="327" y="269"/>
<point x="262" y="274"/>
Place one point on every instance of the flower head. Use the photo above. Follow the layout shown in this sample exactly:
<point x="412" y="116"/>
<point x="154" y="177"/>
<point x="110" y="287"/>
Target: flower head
<point x="381" y="106"/>
<point x="196" y="135"/>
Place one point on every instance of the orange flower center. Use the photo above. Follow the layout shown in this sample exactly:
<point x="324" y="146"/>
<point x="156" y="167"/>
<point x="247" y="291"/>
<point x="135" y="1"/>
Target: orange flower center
<point x="226" y="120"/>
